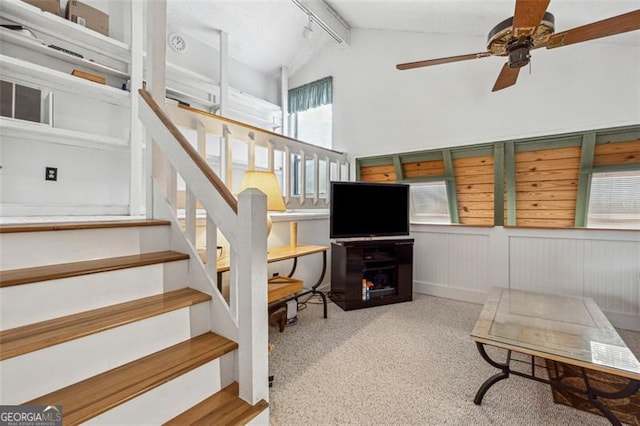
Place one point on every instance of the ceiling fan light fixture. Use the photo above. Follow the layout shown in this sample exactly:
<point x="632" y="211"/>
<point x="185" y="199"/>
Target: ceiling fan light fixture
<point x="518" y="51"/>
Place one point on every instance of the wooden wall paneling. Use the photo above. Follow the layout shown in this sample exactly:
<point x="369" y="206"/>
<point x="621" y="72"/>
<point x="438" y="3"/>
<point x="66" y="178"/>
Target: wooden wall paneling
<point x="475" y="208"/>
<point x="617" y="153"/>
<point x="549" y="154"/>
<point x="477" y="179"/>
<point x="546" y="223"/>
<point x="546" y="176"/>
<point x="546" y="187"/>
<point x="550" y="195"/>
<point x="382" y="173"/>
<point x="561" y="164"/>
<point x="474" y="188"/>
<point x="474" y="196"/>
<point x="539" y="185"/>
<point x="547" y="204"/>
<point x="423" y="169"/>
<point x="621" y="158"/>
<point x="474" y="185"/>
<point x="550" y="215"/>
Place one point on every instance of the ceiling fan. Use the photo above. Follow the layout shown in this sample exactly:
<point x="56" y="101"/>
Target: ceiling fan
<point x="532" y="27"/>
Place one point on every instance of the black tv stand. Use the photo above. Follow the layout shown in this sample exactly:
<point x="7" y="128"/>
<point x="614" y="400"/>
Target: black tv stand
<point x="367" y="273"/>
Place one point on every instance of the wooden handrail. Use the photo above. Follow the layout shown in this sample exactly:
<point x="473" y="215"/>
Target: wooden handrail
<point x="202" y="164"/>
<point x="252" y="128"/>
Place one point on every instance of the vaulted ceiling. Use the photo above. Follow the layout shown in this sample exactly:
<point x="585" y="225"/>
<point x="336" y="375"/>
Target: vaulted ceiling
<point x="267" y="35"/>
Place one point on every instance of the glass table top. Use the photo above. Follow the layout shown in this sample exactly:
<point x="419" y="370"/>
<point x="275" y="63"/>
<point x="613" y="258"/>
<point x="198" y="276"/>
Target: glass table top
<point x="570" y="328"/>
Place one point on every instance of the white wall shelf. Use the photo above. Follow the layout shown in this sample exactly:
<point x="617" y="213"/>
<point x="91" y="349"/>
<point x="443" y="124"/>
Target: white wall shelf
<point x="13" y="37"/>
<point x="31" y="74"/>
<point x="27" y="130"/>
<point x="242" y="106"/>
<point x="57" y="27"/>
<point x="188" y="97"/>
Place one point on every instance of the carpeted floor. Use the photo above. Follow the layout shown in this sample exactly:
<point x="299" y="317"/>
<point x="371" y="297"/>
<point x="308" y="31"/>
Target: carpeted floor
<point x="404" y="364"/>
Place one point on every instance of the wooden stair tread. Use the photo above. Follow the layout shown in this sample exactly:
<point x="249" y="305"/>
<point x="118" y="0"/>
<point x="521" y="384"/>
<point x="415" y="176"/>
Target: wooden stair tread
<point x="67" y="226"/>
<point x="223" y="408"/>
<point x="32" y="337"/>
<point x="93" y="396"/>
<point x="19" y="276"/>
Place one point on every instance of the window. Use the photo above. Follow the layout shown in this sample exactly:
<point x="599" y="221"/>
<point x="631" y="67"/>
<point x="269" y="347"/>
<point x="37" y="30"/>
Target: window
<point x="310" y="112"/>
<point x="313" y="126"/>
<point x="429" y="202"/>
<point x="614" y="200"/>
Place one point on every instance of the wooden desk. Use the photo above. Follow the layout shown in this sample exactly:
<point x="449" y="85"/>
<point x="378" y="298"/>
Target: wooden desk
<point x="277" y="254"/>
<point x="559" y="329"/>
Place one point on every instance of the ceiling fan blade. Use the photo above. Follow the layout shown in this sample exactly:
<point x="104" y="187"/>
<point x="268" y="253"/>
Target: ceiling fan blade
<point x="429" y="62"/>
<point x="528" y="15"/>
<point x="607" y="27"/>
<point x="507" y="77"/>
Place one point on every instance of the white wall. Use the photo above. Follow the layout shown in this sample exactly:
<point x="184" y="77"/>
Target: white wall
<point x="465" y="262"/>
<point x="205" y="59"/>
<point x="378" y="109"/>
<point x="90" y="181"/>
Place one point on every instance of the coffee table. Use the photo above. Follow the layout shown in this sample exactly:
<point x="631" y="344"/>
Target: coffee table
<point x="559" y="329"/>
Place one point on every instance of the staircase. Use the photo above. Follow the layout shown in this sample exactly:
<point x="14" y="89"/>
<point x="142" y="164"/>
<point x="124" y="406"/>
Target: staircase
<point x="98" y="317"/>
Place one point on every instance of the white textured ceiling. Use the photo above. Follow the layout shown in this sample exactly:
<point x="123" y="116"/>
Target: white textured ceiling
<point x="267" y="34"/>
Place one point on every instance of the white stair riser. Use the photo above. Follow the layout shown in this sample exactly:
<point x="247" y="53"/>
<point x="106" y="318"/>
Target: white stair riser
<point x="37" y="373"/>
<point x="24" y="249"/>
<point x="260" y="419"/>
<point x="29" y="303"/>
<point x="172" y="398"/>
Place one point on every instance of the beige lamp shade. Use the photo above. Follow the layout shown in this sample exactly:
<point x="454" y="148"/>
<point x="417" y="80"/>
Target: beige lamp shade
<point x="268" y="184"/>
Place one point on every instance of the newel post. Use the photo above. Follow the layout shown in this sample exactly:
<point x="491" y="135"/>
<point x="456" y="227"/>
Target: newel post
<point x="251" y="259"/>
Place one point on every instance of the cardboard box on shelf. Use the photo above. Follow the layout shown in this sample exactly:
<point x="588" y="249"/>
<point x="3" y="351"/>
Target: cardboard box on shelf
<point x="87" y="16"/>
<point x="51" y="6"/>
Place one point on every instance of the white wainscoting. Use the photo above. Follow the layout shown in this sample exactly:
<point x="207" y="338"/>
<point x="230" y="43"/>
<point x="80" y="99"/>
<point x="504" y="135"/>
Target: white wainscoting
<point x="465" y="262"/>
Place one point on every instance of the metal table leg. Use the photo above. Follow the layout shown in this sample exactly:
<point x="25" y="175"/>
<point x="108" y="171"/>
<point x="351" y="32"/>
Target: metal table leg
<point x="495" y="378"/>
<point x="591" y="392"/>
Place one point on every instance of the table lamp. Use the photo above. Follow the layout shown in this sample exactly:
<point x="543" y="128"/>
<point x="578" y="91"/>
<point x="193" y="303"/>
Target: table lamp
<point x="268" y="184"/>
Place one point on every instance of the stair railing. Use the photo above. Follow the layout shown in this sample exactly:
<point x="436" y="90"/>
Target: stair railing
<point x="243" y="224"/>
<point x="326" y="164"/>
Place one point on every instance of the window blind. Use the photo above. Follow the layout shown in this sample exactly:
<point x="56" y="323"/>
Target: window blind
<point x="614" y="198"/>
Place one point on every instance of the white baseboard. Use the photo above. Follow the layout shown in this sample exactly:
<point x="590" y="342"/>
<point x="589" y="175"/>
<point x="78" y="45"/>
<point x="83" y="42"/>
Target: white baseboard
<point x="260" y="419"/>
<point x="625" y="321"/>
<point x="456" y="293"/>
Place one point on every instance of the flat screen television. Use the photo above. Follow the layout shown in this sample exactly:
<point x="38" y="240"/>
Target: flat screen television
<point x="360" y="209"/>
